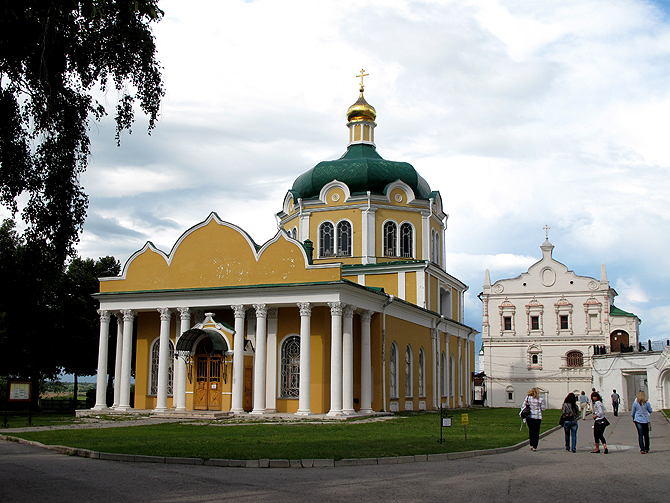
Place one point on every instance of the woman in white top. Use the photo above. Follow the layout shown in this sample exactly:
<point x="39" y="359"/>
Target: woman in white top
<point x="599" y="423"/>
<point x="537" y="405"/>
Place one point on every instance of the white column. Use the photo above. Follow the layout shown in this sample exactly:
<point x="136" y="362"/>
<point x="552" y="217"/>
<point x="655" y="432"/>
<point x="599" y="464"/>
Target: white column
<point x="461" y="384"/>
<point x="368" y="236"/>
<point x="468" y="375"/>
<point x="336" y="358"/>
<point x="260" y="358"/>
<point x="435" y="347"/>
<point x="238" y="360"/>
<point x="118" y="360"/>
<point x="126" y="361"/>
<point x="163" y="359"/>
<point x="305" y="359"/>
<point x="447" y="368"/>
<point x="348" y="360"/>
<point x="101" y="382"/>
<point x="271" y="374"/>
<point x="179" y="393"/>
<point x="366" y="363"/>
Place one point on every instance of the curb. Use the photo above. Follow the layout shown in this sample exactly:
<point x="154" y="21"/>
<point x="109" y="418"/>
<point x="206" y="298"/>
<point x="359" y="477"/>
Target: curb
<point x="274" y="463"/>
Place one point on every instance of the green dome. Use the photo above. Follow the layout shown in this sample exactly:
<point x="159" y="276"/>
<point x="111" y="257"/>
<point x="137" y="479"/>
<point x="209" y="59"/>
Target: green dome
<point x="362" y="169"/>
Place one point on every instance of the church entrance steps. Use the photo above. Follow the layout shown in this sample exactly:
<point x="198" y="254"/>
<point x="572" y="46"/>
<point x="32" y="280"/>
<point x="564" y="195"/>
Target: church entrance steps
<point x="191" y="414"/>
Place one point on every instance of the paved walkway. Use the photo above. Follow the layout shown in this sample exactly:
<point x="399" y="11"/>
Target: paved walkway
<point x="30" y="474"/>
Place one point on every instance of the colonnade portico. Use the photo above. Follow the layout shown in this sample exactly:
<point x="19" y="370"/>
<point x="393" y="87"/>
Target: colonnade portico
<point x="261" y="329"/>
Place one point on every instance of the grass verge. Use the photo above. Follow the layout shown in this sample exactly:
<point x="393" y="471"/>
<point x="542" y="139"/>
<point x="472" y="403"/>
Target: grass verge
<point x="20" y="419"/>
<point x="406" y="434"/>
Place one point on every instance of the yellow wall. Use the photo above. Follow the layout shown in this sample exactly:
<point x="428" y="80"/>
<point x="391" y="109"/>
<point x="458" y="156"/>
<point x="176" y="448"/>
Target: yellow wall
<point x="216" y="255"/>
<point x="389" y="282"/>
<point x="403" y="332"/>
<point x="410" y="287"/>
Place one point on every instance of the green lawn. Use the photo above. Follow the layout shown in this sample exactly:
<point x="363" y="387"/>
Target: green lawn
<point x="20" y="419"/>
<point x="406" y="434"/>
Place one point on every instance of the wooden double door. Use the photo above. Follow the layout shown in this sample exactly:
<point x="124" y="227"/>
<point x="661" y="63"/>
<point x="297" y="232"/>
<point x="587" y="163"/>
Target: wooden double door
<point x="208" y="381"/>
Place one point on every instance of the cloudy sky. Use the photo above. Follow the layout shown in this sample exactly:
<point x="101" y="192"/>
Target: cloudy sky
<point x="521" y="113"/>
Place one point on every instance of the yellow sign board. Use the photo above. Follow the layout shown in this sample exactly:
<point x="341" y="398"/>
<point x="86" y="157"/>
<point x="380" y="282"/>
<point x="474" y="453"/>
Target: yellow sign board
<point x="465" y="419"/>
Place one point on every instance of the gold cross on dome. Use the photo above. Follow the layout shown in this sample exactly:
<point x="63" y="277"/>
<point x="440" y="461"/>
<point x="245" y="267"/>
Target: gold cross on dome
<point x="362" y="74"/>
<point x="546" y="230"/>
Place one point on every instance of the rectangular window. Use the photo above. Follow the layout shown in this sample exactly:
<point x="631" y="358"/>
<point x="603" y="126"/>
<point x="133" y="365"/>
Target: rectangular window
<point x="564" y="322"/>
<point x="535" y="323"/>
<point x="507" y="323"/>
<point x="593" y="321"/>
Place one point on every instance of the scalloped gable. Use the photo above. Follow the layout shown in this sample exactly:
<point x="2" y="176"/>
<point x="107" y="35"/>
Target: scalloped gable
<point x="218" y="254"/>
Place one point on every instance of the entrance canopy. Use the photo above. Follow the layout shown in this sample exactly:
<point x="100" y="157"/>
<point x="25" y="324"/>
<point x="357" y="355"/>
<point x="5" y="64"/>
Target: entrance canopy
<point x="187" y="341"/>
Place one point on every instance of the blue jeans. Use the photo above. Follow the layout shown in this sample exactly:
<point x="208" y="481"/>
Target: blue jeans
<point x="643" y="435"/>
<point x="570" y="428"/>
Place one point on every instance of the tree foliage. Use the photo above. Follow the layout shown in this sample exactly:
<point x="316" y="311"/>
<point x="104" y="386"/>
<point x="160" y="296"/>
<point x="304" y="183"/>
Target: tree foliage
<point x="48" y="319"/>
<point x="80" y="320"/>
<point x="53" y="54"/>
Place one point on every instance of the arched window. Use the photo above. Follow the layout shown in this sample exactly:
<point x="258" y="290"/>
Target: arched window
<point x="408" y="371"/>
<point x="574" y="359"/>
<point x="155" y="350"/>
<point x="435" y="249"/>
<point x="422" y="373"/>
<point x="326" y="240"/>
<point x="344" y="239"/>
<point x="294" y="233"/>
<point x="393" y="371"/>
<point x="406" y="240"/>
<point x="390" y="239"/>
<point x="290" y="367"/>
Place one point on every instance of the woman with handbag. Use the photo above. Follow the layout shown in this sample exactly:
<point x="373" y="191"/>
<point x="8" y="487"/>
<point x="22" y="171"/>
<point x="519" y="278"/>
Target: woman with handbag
<point x="569" y="417"/>
<point x="600" y="422"/>
<point x="536" y="405"/>
<point x="640" y="414"/>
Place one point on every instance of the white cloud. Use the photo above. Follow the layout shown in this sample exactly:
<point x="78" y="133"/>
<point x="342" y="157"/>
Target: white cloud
<point x="520" y="113"/>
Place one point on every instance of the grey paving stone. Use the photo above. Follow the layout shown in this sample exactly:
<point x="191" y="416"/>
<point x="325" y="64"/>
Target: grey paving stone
<point x="183" y="461"/>
<point x="150" y="459"/>
<point x="217" y="462"/>
<point x="279" y="463"/>
<point x="110" y="456"/>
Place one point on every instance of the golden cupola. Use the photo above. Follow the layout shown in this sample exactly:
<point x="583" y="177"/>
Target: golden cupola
<point x="361" y="119"/>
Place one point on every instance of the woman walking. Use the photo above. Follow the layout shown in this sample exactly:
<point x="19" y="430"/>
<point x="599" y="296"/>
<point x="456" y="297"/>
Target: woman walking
<point x="600" y="422"/>
<point x="569" y="416"/>
<point x="640" y="414"/>
<point x="536" y="405"/>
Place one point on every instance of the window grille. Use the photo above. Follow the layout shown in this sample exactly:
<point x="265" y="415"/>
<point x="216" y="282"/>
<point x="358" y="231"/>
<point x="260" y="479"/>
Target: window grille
<point x="326" y="240"/>
<point x="390" y="239"/>
<point x="344" y="239"/>
<point x="406" y="240"/>
<point x="155" y="351"/>
<point x="575" y="359"/>
<point x="290" y="367"/>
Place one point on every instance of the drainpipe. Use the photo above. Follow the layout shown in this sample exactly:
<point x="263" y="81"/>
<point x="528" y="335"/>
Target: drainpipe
<point x="384" y="306"/>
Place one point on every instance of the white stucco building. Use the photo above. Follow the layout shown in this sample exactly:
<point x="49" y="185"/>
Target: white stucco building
<point x="628" y="373"/>
<point x="542" y="329"/>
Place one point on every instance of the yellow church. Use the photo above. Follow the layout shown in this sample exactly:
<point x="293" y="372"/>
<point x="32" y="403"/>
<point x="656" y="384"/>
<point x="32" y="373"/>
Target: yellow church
<point x="348" y="309"/>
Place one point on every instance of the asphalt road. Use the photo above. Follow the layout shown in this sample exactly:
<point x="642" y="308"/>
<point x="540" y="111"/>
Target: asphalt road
<point x="33" y="475"/>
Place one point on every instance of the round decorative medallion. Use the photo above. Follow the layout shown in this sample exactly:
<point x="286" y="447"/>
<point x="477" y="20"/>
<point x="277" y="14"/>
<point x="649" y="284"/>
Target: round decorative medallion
<point x="335" y="197"/>
<point x="498" y="289"/>
<point x="548" y="276"/>
<point x="593" y="285"/>
<point x="398" y="198"/>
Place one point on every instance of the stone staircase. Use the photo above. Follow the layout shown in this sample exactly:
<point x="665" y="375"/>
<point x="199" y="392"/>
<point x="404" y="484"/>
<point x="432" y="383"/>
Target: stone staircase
<point x="205" y="415"/>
